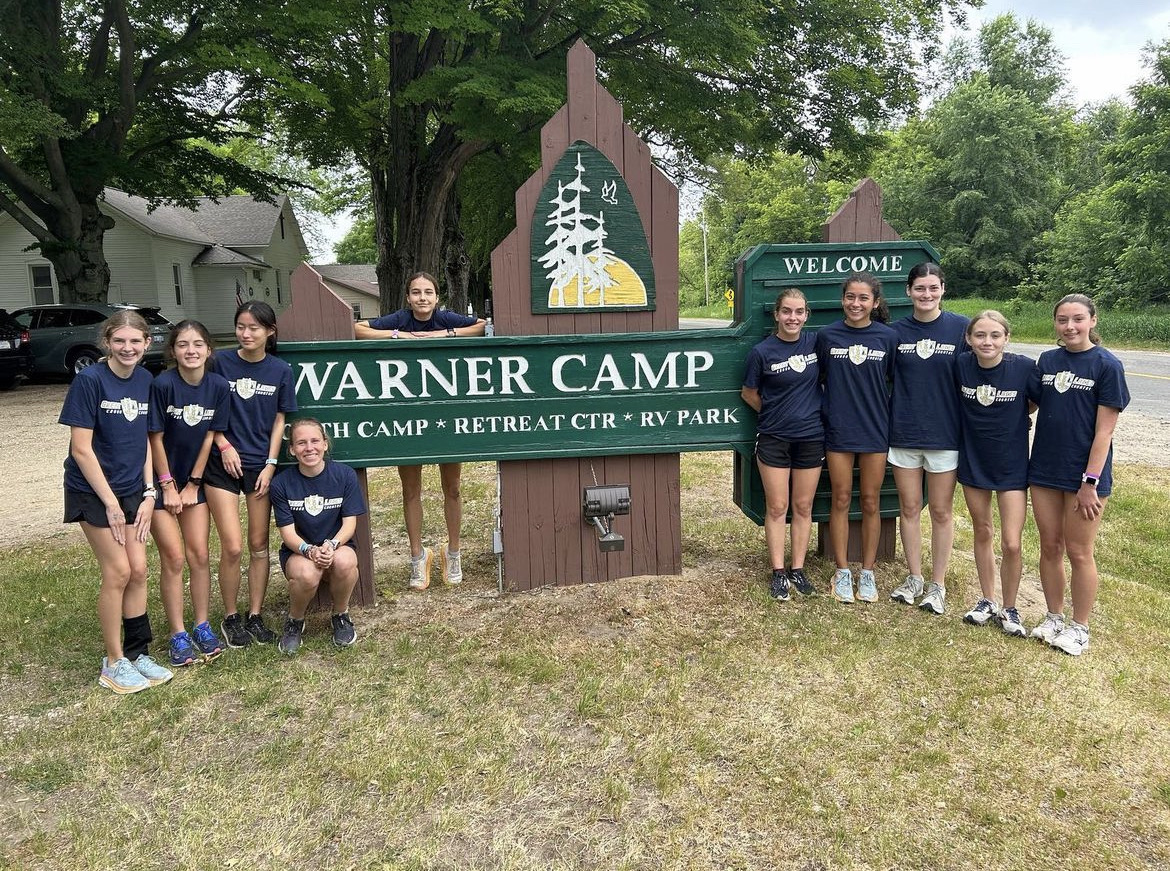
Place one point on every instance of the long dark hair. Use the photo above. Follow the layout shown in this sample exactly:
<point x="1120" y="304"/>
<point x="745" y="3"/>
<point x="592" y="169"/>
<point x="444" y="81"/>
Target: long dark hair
<point x="264" y="316"/>
<point x="188" y="324"/>
<point x="881" y="312"/>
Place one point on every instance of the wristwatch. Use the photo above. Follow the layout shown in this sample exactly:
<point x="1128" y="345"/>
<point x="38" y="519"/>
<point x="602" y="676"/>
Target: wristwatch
<point x="450" y="331"/>
<point x="1091" y="480"/>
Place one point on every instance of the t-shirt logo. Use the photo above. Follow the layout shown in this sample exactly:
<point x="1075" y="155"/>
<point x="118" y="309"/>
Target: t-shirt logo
<point x="925" y="348"/>
<point x="129" y="408"/>
<point x="796" y="363"/>
<point x="245" y="388"/>
<point x="1063" y="381"/>
<point x="314" y="504"/>
<point x="858" y="354"/>
<point x="986" y="394"/>
<point x="192" y="415"/>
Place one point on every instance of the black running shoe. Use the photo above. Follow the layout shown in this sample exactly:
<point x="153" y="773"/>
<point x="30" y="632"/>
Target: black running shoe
<point x="802" y="584"/>
<point x="256" y="628"/>
<point x="779" y="588"/>
<point x="290" y="640"/>
<point x="234" y="632"/>
<point x="343" y="632"/>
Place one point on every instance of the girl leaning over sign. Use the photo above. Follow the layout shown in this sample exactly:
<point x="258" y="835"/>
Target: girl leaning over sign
<point x="188" y="405"/>
<point x="924" y="431"/>
<point x="782" y="383"/>
<point x="107" y="492"/>
<point x="1080" y="389"/>
<point x="422" y="319"/>
<point x="243" y="460"/>
<point x="856" y="356"/>
<point x="992" y="389"/>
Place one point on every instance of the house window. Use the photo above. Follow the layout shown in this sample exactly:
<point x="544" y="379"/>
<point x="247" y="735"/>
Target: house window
<point x="41" y="279"/>
<point x="177" y="276"/>
<point x="357" y="311"/>
<point x="279" y="289"/>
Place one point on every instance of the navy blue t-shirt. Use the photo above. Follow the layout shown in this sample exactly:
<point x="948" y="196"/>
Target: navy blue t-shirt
<point x="787" y="377"/>
<point x="259" y="391"/>
<point x="993" y="408"/>
<point x="184" y="414"/>
<point x="403" y="320"/>
<point x="857" y="363"/>
<point x="116" y="409"/>
<point x="924" y="407"/>
<point x="1069" y="388"/>
<point x="315" y="506"/>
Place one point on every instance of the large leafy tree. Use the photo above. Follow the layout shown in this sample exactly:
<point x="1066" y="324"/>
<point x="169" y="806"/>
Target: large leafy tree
<point x="419" y="90"/>
<point x="130" y="93"/>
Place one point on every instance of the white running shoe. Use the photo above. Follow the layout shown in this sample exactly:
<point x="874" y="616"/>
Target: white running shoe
<point x="909" y="590"/>
<point x="843" y="586"/>
<point x="935" y="599"/>
<point x="452" y="566"/>
<point x="867" y="586"/>
<point x="1048" y="628"/>
<point x="420" y="569"/>
<point x="982" y="613"/>
<point x="1011" y="624"/>
<point x="1073" y="640"/>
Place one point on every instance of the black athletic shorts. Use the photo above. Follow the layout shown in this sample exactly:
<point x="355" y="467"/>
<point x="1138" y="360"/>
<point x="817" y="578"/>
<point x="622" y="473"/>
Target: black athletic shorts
<point x="215" y="475"/>
<point x="782" y="454"/>
<point x="83" y="506"/>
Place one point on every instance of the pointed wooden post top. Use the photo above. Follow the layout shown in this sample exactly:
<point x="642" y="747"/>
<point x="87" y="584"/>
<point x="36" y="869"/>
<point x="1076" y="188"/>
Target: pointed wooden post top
<point x="581" y="65"/>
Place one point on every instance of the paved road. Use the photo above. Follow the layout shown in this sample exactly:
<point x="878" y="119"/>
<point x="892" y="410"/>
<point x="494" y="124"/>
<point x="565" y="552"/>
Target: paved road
<point x="1146" y="372"/>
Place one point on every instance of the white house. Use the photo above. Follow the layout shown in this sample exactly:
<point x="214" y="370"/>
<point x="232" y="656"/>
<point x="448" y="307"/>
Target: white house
<point x="356" y="284"/>
<point x="191" y="264"/>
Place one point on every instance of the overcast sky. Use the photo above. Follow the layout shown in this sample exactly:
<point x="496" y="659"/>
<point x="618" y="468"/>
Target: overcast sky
<point x="1102" y="39"/>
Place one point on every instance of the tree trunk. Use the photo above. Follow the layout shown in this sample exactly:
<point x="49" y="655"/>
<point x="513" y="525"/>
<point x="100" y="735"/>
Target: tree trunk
<point x="74" y="247"/>
<point x="456" y="263"/>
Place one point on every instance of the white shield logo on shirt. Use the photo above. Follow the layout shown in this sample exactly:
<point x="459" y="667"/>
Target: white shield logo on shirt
<point x="985" y="393"/>
<point x="246" y="388"/>
<point x="796" y="363"/>
<point x="192" y="414"/>
<point x="1063" y="381"/>
<point x="129" y="408"/>
<point x="858" y="354"/>
<point x="314" y="504"/>
<point x="925" y="348"/>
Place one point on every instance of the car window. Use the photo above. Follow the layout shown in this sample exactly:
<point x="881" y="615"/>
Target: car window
<point x="25" y="319"/>
<point x="153" y="317"/>
<point x="53" y="318"/>
<point x="84" y="317"/>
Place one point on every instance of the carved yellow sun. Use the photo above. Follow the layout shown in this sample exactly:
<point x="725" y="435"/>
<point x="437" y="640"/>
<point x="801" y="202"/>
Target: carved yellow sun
<point x="627" y="289"/>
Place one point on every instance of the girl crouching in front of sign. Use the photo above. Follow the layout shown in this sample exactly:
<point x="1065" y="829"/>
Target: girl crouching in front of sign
<point x="421" y="319"/>
<point x="188" y="405"/>
<point x="1081" y="391"/>
<point x="243" y="460"/>
<point x="106" y="491"/>
<point x="316" y="504"/>
<point x="993" y="460"/>
<point x="856" y="356"/>
<point x="782" y="383"/>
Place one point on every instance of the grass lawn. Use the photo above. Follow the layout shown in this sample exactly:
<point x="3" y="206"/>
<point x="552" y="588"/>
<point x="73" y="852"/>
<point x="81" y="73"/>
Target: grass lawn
<point x="677" y="722"/>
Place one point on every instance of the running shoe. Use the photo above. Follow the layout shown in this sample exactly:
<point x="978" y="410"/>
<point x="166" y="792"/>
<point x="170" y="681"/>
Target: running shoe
<point x="1073" y="639"/>
<point x="182" y="651"/>
<point x="256" y="628"/>
<point x="909" y="590"/>
<point x="779" y="587"/>
<point x="1011" y="624"/>
<point x="843" y="586"/>
<point x="122" y="677"/>
<point x="343" y="632"/>
<point x="207" y="641"/>
<point x="154" y="673"/>
<point x="290" y="639"/>
<point x="802" y="584"/>
<point x="451" y="566"/>
<point x="935" y="599"/>
<point x="984" y="610"/>
<point x="420" y="569"/>
<point x="1048" y="628"/>
<point x="234" y="632"/>
<point x="867" y="586"/>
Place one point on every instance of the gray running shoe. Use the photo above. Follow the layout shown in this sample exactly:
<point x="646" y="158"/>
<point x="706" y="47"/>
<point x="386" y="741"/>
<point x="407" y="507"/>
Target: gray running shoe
<point x="1048" y="628"/>
<point x="843" y="586"/>
<point x="451" y="566"/>
<point x="907" y="591"/>
<point x="343" y="632"/>
<point x="935" y="599"/>
<point x="1073" y="639"/>
<point x="290" y="639"/>
<point x="867" y="586"/>
<point x="779" y="587"/>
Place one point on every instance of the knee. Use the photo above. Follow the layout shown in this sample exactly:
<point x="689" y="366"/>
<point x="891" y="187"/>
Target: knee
<point x="1052" y="546"/>
<point x="941" y="515"/>
<point x="231" y="551"/>
<point x="170" y="562"/>
<point x="1012" y="549"/>
<point x="1080" y="554"/>
<point x="984" y="531"/>
<point x="198" y="558"/>
<point x="777" y="512"/>
<point x="910" y="507"/>
<point x="869" y="503"/>
<point x="802" y="508"/>
<point x="451" y="491"/>
<point x="258" y="542"/>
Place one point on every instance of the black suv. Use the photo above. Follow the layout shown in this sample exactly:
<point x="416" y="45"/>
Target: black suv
<point x="66" y="338"/>
<point x="15" y="351"/>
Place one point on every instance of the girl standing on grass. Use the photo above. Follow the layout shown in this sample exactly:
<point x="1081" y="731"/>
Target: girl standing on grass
<point x="188" y="405"/>
<point x="317" y="505"/>
<point x="422" y="319"/>
<point x="243" y="460"/>
<point x="993" y="460"/>
<point x="924" y="431"/>
<point x="856" y="356"/>
<point x="106" y="492"/>
<point x="782" y="383"/>
<point x="1080" y="389"/>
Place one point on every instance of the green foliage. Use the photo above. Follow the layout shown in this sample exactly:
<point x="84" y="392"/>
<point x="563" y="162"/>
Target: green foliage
<point x="357" y="246"/>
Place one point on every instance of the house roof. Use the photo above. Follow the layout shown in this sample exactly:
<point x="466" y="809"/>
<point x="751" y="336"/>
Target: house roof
<point x="359" y="277"/>
<point x="164" y="220"/>
<point x="233" y="222"/>
<point x="218" y="255"/>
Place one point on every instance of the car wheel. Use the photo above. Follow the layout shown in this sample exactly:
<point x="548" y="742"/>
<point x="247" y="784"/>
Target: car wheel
<point x="83" y="358"/>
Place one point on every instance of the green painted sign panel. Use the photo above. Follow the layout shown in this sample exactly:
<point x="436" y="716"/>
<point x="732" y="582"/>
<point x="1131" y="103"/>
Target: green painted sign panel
<point x="391" y="402"/>
<point x="588" y="245"/>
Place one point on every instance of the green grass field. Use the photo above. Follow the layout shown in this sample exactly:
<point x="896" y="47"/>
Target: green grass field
<point x="677" y="722"/>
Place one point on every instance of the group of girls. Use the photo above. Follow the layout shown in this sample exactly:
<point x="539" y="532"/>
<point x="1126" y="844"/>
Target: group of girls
<point x="938" y="397"/>
<point x="165" y="456"/>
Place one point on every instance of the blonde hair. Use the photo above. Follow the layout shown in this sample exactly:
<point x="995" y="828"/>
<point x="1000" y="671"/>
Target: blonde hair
<point x="309" y="421"/>
<point x="124" y="318"/>
<point x="790" y="293"/>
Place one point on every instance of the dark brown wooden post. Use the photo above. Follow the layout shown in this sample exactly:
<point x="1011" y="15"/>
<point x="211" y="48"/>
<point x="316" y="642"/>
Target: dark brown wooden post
<point x="545" y="539"/>
<point x="317" y="314"/>
<point x="860" y="220"/>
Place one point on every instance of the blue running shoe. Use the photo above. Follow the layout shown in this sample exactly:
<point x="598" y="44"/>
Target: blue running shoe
<point x="182" y="650"/>
<point x="122" y="677"/>
<point x="154" y="673"/>
<point x="867" y="586"/>
<point x="843" y="586"/>
<point x="207" y="641"/>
